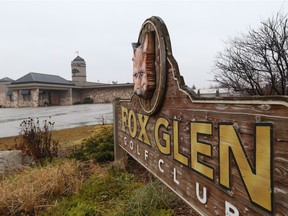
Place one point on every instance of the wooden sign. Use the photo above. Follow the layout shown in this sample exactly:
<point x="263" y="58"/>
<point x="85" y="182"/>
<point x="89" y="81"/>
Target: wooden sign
<point x="223" y="156"/>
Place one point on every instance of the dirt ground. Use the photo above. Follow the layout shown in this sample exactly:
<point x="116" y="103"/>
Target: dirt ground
<point x="67" y="137"/>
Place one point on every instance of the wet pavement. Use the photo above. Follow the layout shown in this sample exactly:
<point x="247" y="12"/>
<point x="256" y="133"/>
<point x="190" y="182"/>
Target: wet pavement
<point x="63" y="116"/>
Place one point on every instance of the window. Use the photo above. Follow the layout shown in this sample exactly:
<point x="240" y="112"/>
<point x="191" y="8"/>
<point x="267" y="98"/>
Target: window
<point x="25" y="94"/>
<point x="74" y="71"/>
<point x="10" y="95"/>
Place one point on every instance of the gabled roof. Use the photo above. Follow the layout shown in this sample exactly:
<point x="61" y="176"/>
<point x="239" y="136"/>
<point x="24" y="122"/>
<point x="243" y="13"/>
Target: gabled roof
<point x="42" y="78"/>
<point x="6" y="79"/>
<point x="78" y="58"/>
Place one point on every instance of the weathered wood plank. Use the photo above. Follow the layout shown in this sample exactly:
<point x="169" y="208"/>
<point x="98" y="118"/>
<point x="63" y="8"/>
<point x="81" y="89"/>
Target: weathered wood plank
<point x="235" y="149"/>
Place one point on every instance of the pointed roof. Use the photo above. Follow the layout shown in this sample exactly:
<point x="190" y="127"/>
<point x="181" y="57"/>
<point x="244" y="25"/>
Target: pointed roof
<point x="78" y="58"/>
<point x="6" y="79"/>
<point x="42" y="78"/>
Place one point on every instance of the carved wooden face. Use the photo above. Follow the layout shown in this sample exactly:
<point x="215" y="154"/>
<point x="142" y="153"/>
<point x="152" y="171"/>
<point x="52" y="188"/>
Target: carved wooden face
<point x="144" y="68"/>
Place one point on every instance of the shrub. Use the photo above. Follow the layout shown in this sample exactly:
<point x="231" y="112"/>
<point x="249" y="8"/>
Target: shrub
<point x="77" y="103"/>
<point x="99" y="147"/>
<point x="36" y="139"/>
<point x="88" y="100"/>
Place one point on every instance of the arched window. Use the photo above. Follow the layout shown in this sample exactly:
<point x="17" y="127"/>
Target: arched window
<point x="74" y="71"/>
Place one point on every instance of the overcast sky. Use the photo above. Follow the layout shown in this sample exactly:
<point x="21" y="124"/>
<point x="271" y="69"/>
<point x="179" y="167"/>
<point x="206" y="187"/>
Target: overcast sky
<point x="43" y="36"/>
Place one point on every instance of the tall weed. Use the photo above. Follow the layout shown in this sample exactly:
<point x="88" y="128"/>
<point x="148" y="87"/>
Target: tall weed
<point x="36" y="139"/>
<point x="36" y="188"/>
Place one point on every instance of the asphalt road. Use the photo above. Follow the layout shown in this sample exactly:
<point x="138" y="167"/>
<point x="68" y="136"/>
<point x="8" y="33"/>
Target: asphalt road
<point x="63" y="116"/>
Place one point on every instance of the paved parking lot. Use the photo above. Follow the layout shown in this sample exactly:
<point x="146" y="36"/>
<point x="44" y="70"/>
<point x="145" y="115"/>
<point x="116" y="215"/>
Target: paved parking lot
<point x="63" y="116"/>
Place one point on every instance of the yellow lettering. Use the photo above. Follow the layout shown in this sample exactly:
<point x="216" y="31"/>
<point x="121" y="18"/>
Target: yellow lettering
<point x="163" y="149"/>
<point x="132" y="125"/>
<point x="143" y="120"/>
<point x="124" y="118"/>
<point x="177" y="155"/>
<point x="201" y="147"/>
<point x="257" y="180"/>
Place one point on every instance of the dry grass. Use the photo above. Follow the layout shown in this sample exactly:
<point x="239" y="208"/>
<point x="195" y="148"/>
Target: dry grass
<point x="35" y="188"/>
<point x="67" y="137"/>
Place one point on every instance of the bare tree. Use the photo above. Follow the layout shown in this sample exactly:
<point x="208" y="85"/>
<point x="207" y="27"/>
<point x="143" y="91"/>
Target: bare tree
<point x="256" y="63"/>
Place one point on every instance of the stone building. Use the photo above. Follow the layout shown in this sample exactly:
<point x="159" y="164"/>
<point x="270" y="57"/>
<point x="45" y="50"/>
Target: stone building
<point x="37" y="89"/>
<point x="5" y="93"/>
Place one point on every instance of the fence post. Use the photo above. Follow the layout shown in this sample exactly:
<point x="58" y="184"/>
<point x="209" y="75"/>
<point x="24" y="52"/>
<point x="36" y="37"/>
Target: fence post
<point x="119" y="153"/>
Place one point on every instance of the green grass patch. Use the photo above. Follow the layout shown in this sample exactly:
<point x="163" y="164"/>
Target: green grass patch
<point x="152" y="198"/>
<point x="118" y="193"/>
<point x="102" y="194"/>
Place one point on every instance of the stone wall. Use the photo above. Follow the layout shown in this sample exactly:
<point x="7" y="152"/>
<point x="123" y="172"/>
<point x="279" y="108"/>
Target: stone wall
<point x="31" y="102"/>
<point x="66" y="97"/>
<point x="5" y="100"/>
<point x="43" y="99"/>
<point x="77" y="95"/>
<point x="2" y="99"/>
<point x="14" y="102"/>
<point x="3" y="94"/>
<point x="35" y="97"/>
<point x="105" y="95"/>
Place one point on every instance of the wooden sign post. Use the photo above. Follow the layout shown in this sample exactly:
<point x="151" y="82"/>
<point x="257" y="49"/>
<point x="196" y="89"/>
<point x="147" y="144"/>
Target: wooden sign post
<point x="223" y="156"/>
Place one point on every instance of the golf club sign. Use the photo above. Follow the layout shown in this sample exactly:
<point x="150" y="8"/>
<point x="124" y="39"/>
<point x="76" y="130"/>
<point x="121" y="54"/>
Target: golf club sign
<point x="223" y="156"/>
